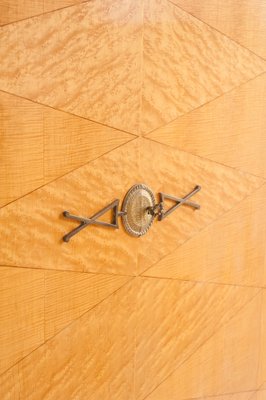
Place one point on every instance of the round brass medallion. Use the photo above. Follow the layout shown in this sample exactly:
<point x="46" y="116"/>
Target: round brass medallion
<point x="137" y="220"/>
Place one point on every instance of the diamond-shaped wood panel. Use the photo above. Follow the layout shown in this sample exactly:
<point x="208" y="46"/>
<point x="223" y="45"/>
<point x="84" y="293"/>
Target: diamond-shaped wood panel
<point x="95" y="358"/>
<point x="78" y="83"/>
<point x="93" y="186"/>
<point x="37" y="304"/>
<point x="134" y="65"/>
<point x="243" y="21"/>
<point x="39" y="144"/>
<point x="228" y="357"/>
<point x="78" y="59"/>
<point x="174" y="320"/>
<point x="229" y="130"/>
<point x="181" y="72"/>
<point x="231" y="250"/>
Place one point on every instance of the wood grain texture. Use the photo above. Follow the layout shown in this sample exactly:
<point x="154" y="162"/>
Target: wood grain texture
<point x="229" y="130"/>
<point x="243" y="21"/>
<point x="231" y="396"/>
<point x="174" y="320"/>
<point x="21" y="314"/>
<point x="259" y="395"/>
<point x="91" y="359"/>
<point x="82" y="192"/>
<point x="226" y="363"/>
<point x="231" y="250"/>
<point x="78" y="59"/>
<point x="87" y="190"/>
<point x="36" y="304"/>
<point x="68" y="295"/>
<point x="14" y="10"/>
<point x="177" y="173"/>
<point x="262" y="366"/>
<point x="39" y="144"/>
<point x="180" y="71"/>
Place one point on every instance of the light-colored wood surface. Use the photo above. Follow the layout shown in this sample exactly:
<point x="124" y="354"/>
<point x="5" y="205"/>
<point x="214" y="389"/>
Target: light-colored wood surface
<point x="76" y="321"/>
<point x="177" y="173"/>
<point x="174" y="320"/>
<point x="231" y="250"/>
<point x="137" y="312"/>
<point x="69" y="295"/>
<point x="87" y="190"/>
<point x="262" y="364"/>
<point x="39" y="144"/>
<point x="181" y="72"/>
<point x="21" y="314"/>
<point x="243" y="21"/>
<point x="91" y="359"/>
<point x="15" y="10"/>
<point x="229" y="130"/>
<point x="259" y="395"/>
<point x="229" y="357"/>
<point x="78" y="59"/>
<point x="36" y="304"/>
<point x="82" y="192"/>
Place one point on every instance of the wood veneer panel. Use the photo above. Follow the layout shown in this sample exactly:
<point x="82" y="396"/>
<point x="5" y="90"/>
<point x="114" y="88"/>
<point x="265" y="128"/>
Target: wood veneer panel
<point x="174" y="172"/>
<point x="93" y="186"/>
<point x="230" y="250"/>
<point x="243" y="21"/>
<point x="175" y="319"/>
<point x="14" y="10"/>
<point x="91" y="359"/>
<point x="82" y="192"/>
<point x="187" y="63"/>
<point x="36" y="304"/>
<point x="39" y="144"/>
<point x="233" y="396"/>
<point x="260" y="395"/>
<point x="78" y="59"/>
<point x="229" y="130"/>
<point x="262" y="366"/>
<point x="21" y="314"/>
<point x="68" y="295"/>
<point x="21" y="148"/>
<point x="224" y="364"/>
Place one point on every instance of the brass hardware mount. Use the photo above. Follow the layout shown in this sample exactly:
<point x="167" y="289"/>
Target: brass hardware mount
<point x="139" y="209"/>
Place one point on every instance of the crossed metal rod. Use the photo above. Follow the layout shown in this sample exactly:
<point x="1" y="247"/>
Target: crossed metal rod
<point x="156" y="210"/>
<point x="84" y="222"/>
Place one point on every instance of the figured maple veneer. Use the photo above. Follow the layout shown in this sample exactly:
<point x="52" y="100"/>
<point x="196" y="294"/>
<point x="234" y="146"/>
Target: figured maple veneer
<point x="36" y="304"/>
<point x="259" y="395"/>
<point x="186" y="64"/>
<point x="262" y="366"/>
<point x="91" y="187"/>
<point x="92" y="359"/>
<point x="39" y="144"/>
<point x="230" y="250"/>
<point x="21" y="314"/>
<point x="148" y="326"/>
<point x="229" y="130"/>
<point x="113" y="62"/>
<point x="224" y="364"/>
<point x="68" y="295"/>
<point x="174" y="172"/>
<point x="14" y="10"/>
<point x="243" y="21"/>
<point x="78" y="59"/>
<point x="175" y="319"/>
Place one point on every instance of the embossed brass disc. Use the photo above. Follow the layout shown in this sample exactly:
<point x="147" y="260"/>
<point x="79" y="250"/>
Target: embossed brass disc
<point x="137" y="220"/>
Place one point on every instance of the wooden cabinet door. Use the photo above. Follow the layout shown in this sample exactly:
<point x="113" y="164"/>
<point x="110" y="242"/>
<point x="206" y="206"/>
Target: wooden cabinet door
<point x="95" y="97"/>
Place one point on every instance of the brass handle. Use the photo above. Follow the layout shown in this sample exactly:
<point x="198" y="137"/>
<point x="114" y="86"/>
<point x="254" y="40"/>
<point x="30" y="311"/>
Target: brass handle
<point x="139" y="209"/>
